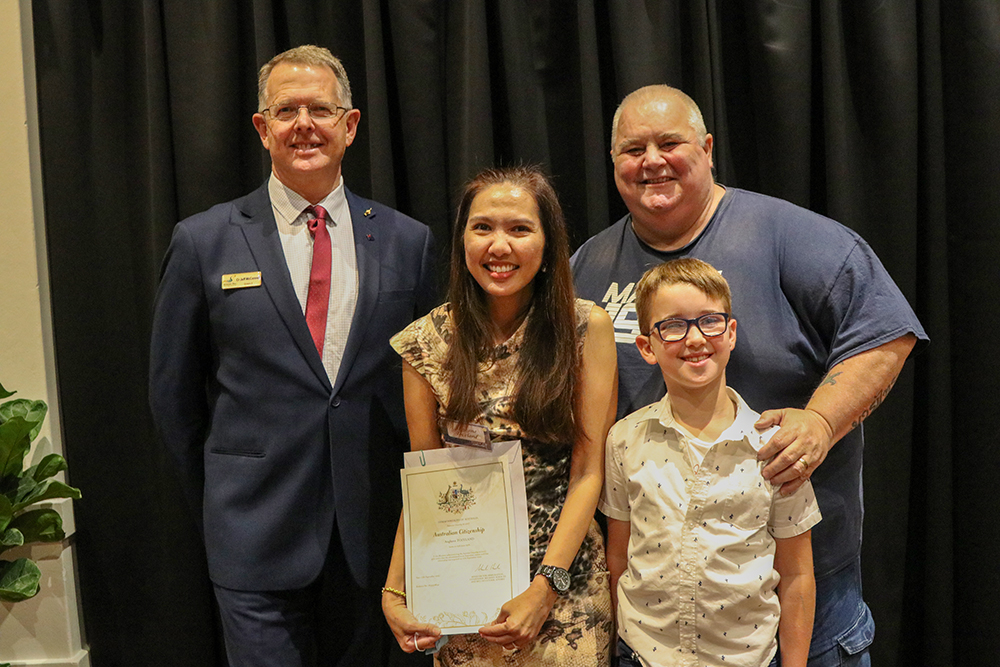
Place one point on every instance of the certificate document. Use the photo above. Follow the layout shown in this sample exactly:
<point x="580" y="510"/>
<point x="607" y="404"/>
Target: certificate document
<point x="465" y="528"/>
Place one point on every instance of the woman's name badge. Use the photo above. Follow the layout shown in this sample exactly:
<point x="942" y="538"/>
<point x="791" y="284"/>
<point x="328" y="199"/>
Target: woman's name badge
<point x="467" y="435"/>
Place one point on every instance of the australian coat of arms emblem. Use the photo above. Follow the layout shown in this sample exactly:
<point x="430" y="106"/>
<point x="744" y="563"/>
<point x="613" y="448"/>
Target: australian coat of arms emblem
<point x="456" y="499"/>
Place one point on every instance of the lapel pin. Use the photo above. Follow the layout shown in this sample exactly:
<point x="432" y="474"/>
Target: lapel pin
<point x="368" y="213"/>
<point x="370" y="237"/>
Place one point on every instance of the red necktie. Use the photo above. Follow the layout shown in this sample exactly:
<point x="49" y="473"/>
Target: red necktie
<point x="319" y="277"/>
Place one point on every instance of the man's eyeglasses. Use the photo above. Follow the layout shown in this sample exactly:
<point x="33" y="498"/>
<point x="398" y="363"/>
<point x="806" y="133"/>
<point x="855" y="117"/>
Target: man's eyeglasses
<point x="674" y="329"/>
<point x="316" y="111"/>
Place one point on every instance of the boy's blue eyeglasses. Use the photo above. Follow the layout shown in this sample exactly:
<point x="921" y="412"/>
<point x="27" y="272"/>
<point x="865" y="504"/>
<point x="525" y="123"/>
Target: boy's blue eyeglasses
<point x="674" y="329"/>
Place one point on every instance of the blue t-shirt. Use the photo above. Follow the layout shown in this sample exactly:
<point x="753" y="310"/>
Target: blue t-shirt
<point x="807" y="294"/>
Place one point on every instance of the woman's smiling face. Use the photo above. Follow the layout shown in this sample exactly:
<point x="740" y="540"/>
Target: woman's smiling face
<point x="504" y="242"/>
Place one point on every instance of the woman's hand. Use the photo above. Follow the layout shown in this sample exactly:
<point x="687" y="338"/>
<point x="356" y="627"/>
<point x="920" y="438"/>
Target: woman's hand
<point x="521" y="619"/>
<point x="411" y="634"/>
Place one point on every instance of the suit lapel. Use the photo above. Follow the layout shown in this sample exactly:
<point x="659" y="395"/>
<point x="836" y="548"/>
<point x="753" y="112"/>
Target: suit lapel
<point x="256" y="221"/>
<point x="366" y="248"/>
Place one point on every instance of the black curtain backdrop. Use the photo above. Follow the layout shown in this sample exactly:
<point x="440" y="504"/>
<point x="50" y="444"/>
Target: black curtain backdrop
<point x="881" y="114"/>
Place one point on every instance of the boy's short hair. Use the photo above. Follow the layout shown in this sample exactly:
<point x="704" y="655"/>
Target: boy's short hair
<point x="682" y="271"/>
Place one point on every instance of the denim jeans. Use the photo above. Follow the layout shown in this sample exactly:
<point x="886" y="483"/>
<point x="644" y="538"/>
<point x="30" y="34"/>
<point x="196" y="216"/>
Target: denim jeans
<point x="844" y="628"/>
<point x="626" y="656"/>
<point x="836" y="656"/>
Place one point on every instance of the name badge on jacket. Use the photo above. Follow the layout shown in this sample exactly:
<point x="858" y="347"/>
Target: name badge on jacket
<point x="240" y="280"/>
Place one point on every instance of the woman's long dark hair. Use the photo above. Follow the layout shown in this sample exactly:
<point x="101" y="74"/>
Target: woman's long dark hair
<point x="548" y="366"/>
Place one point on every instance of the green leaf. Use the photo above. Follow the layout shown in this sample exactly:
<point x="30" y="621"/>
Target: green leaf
<point x="21" y="407"/>
<point x="11" y="538"/>
<point x="18" y="580"/>
<point x="14" y="445"/>
<point x="26" y="486"/>
<point x="48" y="467"/>
<point x="6" y="512"/>
<point x="33" y="412"/>
<point x="4" y="393"/>
<point x="46" y="491"/>
<point x="37" y="414"/>
<point x="40" y="525"/>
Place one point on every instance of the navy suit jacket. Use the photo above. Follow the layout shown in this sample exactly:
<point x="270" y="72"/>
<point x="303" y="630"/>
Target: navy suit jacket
<point x="272" y="455"/>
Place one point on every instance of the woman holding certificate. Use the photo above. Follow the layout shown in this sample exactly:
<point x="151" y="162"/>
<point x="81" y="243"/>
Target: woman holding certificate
<point x="515" y="356"/>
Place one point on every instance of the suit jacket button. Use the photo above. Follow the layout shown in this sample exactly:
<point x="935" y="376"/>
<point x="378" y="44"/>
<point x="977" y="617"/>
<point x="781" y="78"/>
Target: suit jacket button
<point x="335" y="402"/>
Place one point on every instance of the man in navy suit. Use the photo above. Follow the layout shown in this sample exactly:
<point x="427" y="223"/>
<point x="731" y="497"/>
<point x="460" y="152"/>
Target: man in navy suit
<point x="289" y="440"/>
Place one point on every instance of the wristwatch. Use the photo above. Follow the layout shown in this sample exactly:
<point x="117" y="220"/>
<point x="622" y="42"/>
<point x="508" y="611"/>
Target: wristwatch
<point x="558" y="578"/>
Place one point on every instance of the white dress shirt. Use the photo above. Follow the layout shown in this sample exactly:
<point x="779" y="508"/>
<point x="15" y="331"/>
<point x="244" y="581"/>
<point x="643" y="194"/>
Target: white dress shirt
<point x="296" y="242"/>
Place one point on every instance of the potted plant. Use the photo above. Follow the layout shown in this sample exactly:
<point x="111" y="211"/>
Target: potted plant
<point x="20" y="488"/>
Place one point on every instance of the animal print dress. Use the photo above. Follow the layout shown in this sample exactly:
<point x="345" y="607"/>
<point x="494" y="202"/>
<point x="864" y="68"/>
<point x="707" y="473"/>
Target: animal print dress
<point x="578" y="630"/>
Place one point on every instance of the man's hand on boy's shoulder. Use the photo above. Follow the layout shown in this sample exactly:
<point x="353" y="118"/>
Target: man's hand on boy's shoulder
<point x="797" y="449"/>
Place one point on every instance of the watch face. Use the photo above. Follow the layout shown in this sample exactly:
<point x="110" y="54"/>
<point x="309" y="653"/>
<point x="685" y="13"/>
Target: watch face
<point x="560" y="578"/>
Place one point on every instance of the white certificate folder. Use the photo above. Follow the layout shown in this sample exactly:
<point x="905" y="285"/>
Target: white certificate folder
<point x="465" y="524"/>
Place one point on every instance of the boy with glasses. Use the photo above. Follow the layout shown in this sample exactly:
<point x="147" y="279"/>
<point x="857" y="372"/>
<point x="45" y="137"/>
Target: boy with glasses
<point x="703" y="551"/>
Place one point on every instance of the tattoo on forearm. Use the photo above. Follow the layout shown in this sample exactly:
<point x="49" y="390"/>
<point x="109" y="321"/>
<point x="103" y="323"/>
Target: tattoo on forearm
<point x="876" y="401"/>
<point x="831" y="378"/>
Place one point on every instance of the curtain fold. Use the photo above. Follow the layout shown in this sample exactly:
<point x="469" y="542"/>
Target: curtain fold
<point x="882" y="115"/>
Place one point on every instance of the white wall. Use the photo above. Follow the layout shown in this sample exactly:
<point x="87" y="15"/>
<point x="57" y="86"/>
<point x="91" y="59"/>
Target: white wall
<point x="43" y="631"/>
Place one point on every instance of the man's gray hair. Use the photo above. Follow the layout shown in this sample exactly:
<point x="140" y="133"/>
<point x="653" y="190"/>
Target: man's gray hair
<point x="661" y="91"/>
<point x="307" y="54"/>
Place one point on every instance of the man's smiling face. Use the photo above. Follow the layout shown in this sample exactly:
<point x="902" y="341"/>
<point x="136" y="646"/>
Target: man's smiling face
<point x="661" y="165"/>
<point x="306" y="153"/>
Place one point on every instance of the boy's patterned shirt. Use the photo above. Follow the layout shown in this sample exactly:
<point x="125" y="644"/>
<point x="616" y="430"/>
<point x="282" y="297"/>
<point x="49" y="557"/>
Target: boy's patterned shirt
<point x="699" y="587"/>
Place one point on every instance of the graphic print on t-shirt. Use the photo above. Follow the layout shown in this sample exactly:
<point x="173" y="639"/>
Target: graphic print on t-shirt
<point x="620" y="305"/>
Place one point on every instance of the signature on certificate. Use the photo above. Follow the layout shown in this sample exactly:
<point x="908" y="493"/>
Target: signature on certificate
<point x="488" y="567"/>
